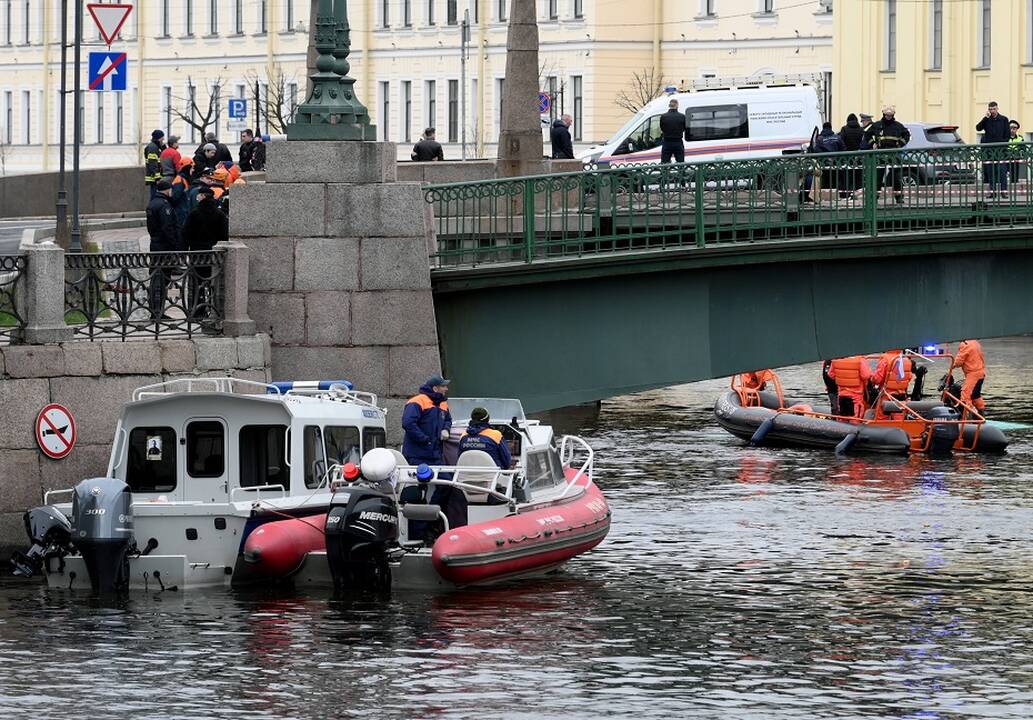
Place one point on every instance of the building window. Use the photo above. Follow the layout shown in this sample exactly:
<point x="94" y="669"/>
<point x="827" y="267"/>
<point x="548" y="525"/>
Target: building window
<point x="28" y="22"/>
<point x="238" y="17"/>
<point x="292" y="100"/>
<point x="263" y="26"/>
<point x="452" y="12"/>
<point x="453" y="111"/>
<point x="552" y="87"/>
<point x="165" y="22"/>
<point x="385" y="109"/>
<point x="213" y="17"/>
<point x="288" y="15"/>
<point x="579" y="9"/>
<point x="502" y="10"/>
<point x="500" y="99"/>
<point x="100" y="117"/>
<point x="189" y="18"/>
<point x="578" y="85"/>
<point x="936" y="59"/>
<point x="430" y="92"/>
<point x="984" y="44"/>
<point x="471" y="109"/>
<point x="8" y="116"/>
<point x="81" y="120"/>
<point x="707" y="8"/>
<point x="407" y="13"/>
<point x="27" y="116"/>
<point x="166" y="108"/>
<point x="430" y="12"/>
<point x="891" y="35"/>
<point x="554" y="9"/>
<point x="119" y="119"/>
<point x="216" y="96"/>
<point x="8" y="25"/>
<point x="825" y="7"/>
<point x="406" y="110"/>
<point x="191" y="110"/>
<point x="767" y="6"/>
<point x="385" y="13"/>
<point x="476" y="9"/>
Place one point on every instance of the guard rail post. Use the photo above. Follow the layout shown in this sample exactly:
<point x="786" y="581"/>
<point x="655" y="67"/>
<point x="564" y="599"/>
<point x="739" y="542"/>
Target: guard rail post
<point x="45" y="295"/>
<point x="529" y="205"/>
<point x="871" y="193"/>
<point x="700" y="185"/>
<point x="237" y="322"/>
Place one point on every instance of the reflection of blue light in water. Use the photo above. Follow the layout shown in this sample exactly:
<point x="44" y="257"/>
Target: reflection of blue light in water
<point x="933" y="481"/>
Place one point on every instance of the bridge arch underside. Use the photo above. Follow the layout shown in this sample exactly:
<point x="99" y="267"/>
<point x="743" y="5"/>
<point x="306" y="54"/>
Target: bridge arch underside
<point x="569" y="332"/>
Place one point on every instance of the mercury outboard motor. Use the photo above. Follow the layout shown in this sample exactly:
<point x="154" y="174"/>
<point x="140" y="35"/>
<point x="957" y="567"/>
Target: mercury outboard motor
<point x="51" y="536"/>
<point x="361" y="529"/>
<point x="944" y="431"/>
<point x="102" y="531"/>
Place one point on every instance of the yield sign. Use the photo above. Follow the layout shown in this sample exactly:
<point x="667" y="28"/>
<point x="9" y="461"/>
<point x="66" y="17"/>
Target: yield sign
<point x="109" y="18"/>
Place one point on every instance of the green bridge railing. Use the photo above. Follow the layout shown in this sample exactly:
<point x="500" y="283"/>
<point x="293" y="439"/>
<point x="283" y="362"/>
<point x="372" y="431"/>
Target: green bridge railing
<point x="793" y="197"/>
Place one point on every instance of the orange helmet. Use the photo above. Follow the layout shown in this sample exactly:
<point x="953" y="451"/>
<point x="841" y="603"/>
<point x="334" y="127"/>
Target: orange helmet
<point x="184" y="162"/>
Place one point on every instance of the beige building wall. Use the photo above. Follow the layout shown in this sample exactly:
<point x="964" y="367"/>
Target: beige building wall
<point x="590" y="50"/>
<point x="936" y="63"/>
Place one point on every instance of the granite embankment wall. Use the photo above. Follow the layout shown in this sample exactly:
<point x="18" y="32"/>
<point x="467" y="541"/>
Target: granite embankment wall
<point x="93" y="380"/>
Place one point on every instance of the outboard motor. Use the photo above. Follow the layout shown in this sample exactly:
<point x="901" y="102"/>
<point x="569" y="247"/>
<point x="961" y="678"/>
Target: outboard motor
<point x="102" y="531"/>
<point x="944" y="431"/>
<point x="361" y="529"/>
<point x="51" y="536"/>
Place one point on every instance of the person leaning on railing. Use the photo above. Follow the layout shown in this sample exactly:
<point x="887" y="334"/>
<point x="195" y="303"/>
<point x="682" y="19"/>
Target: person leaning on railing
<point x="994" y="127"/>
<point x="889" y="134"/>
<point x="163" y="228"/>
<point x="205" y="227"/>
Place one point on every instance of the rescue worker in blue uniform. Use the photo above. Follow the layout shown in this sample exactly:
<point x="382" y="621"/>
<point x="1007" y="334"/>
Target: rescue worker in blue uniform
<point x="427" y="423"/>
<point x="479" y="436"/>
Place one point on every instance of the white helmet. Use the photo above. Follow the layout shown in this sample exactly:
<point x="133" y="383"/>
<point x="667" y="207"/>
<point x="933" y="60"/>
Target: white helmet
<point x="378" y="465"/>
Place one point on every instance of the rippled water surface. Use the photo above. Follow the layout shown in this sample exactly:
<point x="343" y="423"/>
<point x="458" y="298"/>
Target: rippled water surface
<point x="736" y="583"/>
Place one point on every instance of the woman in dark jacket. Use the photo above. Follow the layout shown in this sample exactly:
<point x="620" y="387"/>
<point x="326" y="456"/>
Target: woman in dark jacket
<point x="851" y="134"/>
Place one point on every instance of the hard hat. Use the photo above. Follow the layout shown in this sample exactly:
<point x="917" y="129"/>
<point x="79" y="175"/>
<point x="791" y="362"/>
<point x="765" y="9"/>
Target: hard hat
<point x="378" y="465"/>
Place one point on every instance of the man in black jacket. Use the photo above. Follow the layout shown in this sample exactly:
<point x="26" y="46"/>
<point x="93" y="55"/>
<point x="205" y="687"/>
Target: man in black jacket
<point x="889" y="134"/>
<point x="994" y="127"/>
<point x="152" y="160"/>
<point x="562" y="145"/>
<point x="427" y="149"/>
<point x="163" y="228"/>
<point x="247" y="150"/>
<point x="206" y="226"/>
<point x="673" y="130"/>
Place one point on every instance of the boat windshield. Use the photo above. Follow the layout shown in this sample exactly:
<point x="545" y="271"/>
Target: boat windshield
<point x="500" y="410"/>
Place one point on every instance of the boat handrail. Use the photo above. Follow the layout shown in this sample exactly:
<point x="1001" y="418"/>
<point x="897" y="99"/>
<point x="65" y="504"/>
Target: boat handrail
<point x="187" y="385"/>
<point x="750" y="397"/>
<point x="340" y="392"/>
<point x="257" y="489"/>
<point x="121" y="438"/>
<point x="48" y="493"/>
<point x="407" y="477"/>
<point x="567" y="455"/>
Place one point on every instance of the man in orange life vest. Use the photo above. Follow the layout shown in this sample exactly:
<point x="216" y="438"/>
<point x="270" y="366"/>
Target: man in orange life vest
<point x="427" y="423"/>
<point x="480" y="436"/>
<point x="757" y="380"/>
<point x="894" y="373"/>
<point x="971" y="361"/>
<point x="851" y="375"/>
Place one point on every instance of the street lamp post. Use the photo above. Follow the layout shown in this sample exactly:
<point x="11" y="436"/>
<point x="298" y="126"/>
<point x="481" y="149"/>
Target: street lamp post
<point x="464" y="46"/>
<point x="62" y="195"/>
<point x="75" y="243"/>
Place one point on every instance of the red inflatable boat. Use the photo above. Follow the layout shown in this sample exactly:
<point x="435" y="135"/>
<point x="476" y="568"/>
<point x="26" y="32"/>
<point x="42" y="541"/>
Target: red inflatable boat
<point x="277" y="549"/>
<point x="529" y="542"/>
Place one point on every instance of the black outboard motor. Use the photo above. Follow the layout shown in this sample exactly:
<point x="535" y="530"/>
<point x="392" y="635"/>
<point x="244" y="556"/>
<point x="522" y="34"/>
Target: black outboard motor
<point x="359" y="533"/>
<point x="51" y="536"/>
<point x="102" y="531"/>
<point x="944" y="431"/>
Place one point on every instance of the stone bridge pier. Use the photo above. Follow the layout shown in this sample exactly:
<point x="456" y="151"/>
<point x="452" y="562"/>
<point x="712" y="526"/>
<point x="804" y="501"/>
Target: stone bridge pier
<point x="339" y="275"/>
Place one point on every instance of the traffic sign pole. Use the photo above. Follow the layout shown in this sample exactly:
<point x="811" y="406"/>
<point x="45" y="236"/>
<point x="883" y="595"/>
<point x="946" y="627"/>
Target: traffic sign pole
<point x="75" y="243"/>
<point x="62" y="195"/>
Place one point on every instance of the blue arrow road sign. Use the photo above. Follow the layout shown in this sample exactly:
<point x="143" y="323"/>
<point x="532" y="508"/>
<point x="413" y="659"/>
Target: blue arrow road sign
<point x="108" y="71"/>
<point x="544" y="103"/>
<point x="238" y="108"/>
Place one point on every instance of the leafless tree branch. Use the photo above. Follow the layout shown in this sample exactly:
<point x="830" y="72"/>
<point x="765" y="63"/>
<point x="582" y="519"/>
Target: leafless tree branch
<point x="646" y="85"/>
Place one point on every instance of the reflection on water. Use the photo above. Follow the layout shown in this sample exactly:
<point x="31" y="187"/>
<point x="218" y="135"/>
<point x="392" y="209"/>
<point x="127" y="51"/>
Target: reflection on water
<point x="736" y="583"/>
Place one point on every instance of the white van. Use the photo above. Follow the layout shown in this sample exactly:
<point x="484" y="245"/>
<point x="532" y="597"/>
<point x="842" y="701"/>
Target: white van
<point x="722" y="125"/>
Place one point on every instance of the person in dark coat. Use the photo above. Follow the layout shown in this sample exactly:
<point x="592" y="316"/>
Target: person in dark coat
<point x="673" y="130"/>
<point x="889" y="134"/>
<point x="247" y="150"/>
<point x="852" y="135"/>
<point x="164" y="232"/>
<point x="994" y="127"/>
<point x="427" y="423"/>
<point x="152" y="161"/>
<point x="258" y="157"/>
<point x="481" y="436"/>
<point x="206" y="226"/>
<point x="222" y="153"/>
<point x="562" y="145"/>
<point x="428" y="149"/>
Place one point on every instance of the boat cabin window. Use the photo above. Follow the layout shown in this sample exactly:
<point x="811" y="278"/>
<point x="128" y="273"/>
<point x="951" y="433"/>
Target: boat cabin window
<point x="718" y="122"/>
<point x="263" y="457"/>
<point x="373" y="437"/>
<point x="206" y="449"/>
<point x="326" y="447"/>
<point x="151" y="461"/>
<point x="544" y="469"/>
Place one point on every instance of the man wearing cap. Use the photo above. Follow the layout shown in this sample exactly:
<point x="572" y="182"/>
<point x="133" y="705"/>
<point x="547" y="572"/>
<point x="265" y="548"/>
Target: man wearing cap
<point x="152" y="161"/>
<point x="163" y="228"/>
<point x="866" y="122"/>
<point x="427" y="422"/>
<point x="480" y="436"/>
<point x="889" y="134"/>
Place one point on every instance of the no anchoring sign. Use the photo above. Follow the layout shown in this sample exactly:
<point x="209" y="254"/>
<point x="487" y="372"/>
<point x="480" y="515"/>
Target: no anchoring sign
<point x="55" y="431"/>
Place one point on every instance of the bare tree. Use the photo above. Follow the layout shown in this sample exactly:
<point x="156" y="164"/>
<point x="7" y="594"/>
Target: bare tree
<point x="646" y="85"/>
<point x="199" y="114"/>
<point x="274" y="108"/>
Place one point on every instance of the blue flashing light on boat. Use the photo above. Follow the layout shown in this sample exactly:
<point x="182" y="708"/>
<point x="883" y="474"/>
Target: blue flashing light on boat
<point x="287" y="386"/>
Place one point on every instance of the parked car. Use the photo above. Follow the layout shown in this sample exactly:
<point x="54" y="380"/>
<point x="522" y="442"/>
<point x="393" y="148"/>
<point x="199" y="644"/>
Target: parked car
<point x="920" y="156"/>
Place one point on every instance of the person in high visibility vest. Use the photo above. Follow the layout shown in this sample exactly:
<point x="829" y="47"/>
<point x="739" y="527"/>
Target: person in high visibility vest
<point x="894" y="374"/>
<point x="972" y="362"/>
<point x="481" y="436"/>
<point x="851" y="375"/>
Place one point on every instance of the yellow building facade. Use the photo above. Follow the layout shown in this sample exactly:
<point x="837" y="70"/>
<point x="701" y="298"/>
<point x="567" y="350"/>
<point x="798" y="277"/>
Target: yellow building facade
<point x="406" y="58"/>
<point x="937" y="61"/>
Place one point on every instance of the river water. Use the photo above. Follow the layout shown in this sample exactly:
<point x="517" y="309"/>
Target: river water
<point x="736" y="583"/>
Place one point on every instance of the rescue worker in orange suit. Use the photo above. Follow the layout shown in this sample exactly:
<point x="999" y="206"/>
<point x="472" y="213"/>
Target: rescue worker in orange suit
<point x="894" y="373"/>
<point x="757" y="380"/>
<point x="480" y="436"/>
<point x="427" y="423"/>
<point x="830" y="387"/>
<point x="971" y="361"/>
<point x="851" y="375"/>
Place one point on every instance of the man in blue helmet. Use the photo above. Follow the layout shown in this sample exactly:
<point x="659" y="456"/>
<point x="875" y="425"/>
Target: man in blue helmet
<point x="427" y="423"/>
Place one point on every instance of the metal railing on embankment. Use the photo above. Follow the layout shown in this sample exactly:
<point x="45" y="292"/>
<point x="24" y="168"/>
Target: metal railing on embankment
<point x="793" y="197"/>
<point x="12" y="303"/>
<point x="119" y="296"/>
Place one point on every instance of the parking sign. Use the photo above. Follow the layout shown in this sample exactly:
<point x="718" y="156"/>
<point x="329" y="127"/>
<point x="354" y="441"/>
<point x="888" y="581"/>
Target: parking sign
<point x="238" y="108"/>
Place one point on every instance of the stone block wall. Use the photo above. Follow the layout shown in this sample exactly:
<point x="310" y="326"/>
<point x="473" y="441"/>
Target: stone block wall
<point x="93" y="380"/>
<point x="340" y="270"/>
